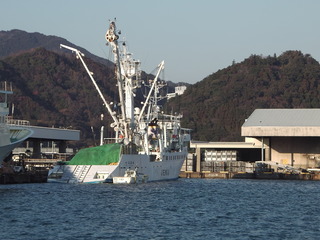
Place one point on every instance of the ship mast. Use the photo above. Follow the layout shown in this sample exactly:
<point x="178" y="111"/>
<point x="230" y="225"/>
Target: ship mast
<point x="128" y="75"/>
<point x="112" y="38"/>
<point x="126" y="69"/>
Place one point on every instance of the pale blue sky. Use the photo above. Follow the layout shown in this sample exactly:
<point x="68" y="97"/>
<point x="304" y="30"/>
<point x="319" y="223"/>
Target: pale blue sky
<point x="194" y="38"/>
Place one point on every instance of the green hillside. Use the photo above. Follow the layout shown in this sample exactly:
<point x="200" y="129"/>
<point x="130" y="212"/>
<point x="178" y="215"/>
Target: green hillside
<point x="217" y="106"/>
<point x="54" y="90"/>
<point x="51" y="88"/>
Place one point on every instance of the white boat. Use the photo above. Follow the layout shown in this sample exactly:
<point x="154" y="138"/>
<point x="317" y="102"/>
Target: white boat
<point x="148" y="142"/>
<point x="130" y="176"/>
<point x="11" y="135"/>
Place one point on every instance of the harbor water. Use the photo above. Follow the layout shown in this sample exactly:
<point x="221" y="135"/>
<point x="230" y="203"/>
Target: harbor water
<point x="182" y="209"/>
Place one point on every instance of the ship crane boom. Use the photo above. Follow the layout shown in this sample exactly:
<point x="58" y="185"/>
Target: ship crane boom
<point x="161" y="66"/>
<point x="79" y="55"/>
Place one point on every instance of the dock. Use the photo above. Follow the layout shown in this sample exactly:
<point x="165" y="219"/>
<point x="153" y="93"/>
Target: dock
<point x="255" y="175"/>
<point x="39" y="176"/>
<point x="228" y="164"/>
<point x="26" y="171"/>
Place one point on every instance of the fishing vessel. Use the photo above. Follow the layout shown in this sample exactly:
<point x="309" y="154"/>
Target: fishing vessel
<point x="11" y="134"/>
<point x="149" y="145"/>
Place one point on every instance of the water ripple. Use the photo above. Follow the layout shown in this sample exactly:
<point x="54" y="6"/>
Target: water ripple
<point x="183" y="209"/>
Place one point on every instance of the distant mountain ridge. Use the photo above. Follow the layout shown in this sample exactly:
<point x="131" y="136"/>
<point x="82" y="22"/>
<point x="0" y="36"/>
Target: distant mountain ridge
<point x="18" y="41"/>
<point x="15" y="42"/>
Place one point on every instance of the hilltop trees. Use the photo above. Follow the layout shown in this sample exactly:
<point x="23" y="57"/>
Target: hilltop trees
<point x="217" y="106"/>
<point x="54" y="90"/>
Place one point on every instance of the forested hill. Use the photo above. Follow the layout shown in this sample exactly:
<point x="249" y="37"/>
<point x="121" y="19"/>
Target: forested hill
<point x="216" y="107"/>
<point x="54" y="90"/>
<point x="51" y="87"/>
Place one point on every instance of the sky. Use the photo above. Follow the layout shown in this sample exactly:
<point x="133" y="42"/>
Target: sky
<point x="195" y="38"/>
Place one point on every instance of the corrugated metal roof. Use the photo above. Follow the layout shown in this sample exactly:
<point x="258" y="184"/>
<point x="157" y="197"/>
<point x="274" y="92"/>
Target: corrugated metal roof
<point x="284" y="117"/>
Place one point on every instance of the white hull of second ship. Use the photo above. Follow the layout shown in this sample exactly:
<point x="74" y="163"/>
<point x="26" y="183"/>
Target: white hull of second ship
<point x="19" y="133"/>
<point x="166" y="169"/>
<point x="6" y="150"/>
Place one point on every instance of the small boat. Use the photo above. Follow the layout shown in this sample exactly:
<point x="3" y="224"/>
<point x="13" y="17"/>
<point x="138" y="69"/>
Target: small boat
<point x="130" y="176"/>
<point x="149" y="144"/>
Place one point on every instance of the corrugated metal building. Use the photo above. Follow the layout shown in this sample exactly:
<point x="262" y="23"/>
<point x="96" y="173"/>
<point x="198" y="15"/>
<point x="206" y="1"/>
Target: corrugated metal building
<point x="287" y="136"/>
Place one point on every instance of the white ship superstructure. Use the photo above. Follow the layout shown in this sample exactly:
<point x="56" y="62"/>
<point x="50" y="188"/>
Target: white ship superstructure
<point x="11" y="135"/>
<point x="148" y="142"/>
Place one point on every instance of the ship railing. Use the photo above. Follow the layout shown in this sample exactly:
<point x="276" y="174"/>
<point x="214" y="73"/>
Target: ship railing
<point x="6" y="87"/>
<point x="169" y="117"/>
<point x="165" y="119"/>
<point x="111" y="140"/>
<point x="17" y="122"/>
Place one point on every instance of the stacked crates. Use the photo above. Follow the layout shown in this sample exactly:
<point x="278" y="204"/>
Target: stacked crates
<point x="263" y="167"/>
<point x="219" y="166"/>
<point x="249" y="167"/>
<point x="235" y="166"/>
<point x="231" y="155"/>
<point x="218" y="161"/>
<point x="189" y="163"/>
<point x="207" y="166"/>
<point x="224" y="161"/>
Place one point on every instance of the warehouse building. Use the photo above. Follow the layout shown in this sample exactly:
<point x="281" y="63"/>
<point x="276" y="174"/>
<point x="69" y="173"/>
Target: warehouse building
<point x="286" y="136"/>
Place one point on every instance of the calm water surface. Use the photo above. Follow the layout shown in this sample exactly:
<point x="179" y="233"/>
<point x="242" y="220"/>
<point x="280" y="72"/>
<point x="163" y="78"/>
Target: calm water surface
<point x="183" y="209"/>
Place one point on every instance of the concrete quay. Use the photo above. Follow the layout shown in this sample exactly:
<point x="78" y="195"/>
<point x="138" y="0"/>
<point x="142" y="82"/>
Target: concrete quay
<point x="24" y="177"/>
<point x="257" y="175"/>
